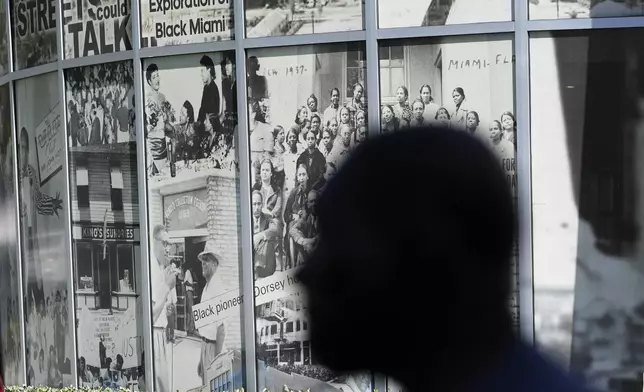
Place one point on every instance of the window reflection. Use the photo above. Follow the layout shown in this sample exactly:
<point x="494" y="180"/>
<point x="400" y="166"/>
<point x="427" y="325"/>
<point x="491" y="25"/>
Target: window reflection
<point x="588" y="274"/>
<point x="566" y="9"/>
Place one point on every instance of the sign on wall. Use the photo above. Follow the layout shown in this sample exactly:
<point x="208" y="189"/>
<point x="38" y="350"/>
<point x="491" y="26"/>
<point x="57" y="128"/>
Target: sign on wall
<point x="34" y="24"/>
<point x="94" y="27"/>
<point x="49" y="146"/>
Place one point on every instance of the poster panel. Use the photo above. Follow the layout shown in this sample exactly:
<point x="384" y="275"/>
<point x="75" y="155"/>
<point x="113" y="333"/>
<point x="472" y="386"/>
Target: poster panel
<point x="193" y="203"/>
<point x="4" y="40"/>
<point x="576" y="9"/>
<point x="34" y="32"/>
<point x="588" y="275"/>
<point x="265" y="18"/>
<point x="93" y="27"/>
<point x="44" y="238"/>
<point x="416" y="13"/>
<point x="307" y="112"/>
<point x="466" y="85"/>
<point x="105" y="224"/>
<point x="185" y="22"/>
<point x="11" y="357"/>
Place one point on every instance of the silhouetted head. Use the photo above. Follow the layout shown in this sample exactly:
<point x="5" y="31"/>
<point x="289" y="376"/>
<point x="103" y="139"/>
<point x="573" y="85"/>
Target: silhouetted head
<point x="417" y="230"/>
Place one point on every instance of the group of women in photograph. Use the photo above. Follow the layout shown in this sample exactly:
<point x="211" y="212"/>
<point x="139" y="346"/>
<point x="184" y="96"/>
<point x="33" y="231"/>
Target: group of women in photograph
<point x="499" y="134"/>
<point x="291" y="164"/>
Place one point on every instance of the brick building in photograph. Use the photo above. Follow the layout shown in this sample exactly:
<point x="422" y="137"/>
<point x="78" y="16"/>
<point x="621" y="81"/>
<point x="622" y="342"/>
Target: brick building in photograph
<point x="105" y="228"/>
<point x="107" y="254"/>
<point x="197" y="206"/>
<point x="283" y="331"/>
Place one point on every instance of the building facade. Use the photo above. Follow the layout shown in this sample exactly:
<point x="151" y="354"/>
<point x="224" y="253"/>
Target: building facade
<point x="141" y="139"/>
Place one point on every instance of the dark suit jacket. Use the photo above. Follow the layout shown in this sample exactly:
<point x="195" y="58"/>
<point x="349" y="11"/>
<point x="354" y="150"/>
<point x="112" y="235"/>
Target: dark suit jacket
<point x="265" y="250"/>
<point x="315" y="164"/>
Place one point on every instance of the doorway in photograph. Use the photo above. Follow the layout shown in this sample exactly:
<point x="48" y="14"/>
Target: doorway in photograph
<point x="185" y="256"/>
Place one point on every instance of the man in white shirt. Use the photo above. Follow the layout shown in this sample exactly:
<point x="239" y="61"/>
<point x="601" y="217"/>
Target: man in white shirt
<point x="163" y="280"/>
<point x="171" y="313"/>
<point x="212" y="335"/>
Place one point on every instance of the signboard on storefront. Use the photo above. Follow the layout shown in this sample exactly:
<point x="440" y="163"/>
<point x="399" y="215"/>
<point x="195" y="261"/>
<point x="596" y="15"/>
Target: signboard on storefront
<point x="186" y="211"/>
<point x="98" y="232"/>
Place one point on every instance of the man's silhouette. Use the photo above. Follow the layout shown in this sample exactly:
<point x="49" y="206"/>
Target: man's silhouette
<point x="435" y="264"/>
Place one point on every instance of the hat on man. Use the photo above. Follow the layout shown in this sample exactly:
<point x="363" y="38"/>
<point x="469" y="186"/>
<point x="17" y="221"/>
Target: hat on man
<point x="210" y="249"/>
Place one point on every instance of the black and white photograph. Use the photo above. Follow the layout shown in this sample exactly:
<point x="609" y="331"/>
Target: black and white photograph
<point x="11" y="366"/>
<point x="105" y="225"/>
<point x="34" y="32"/>
<point x="416" y="13"/>
<point x="193" y="211"/>
<point x="577" y="9"/>
<point x="463" y="85"/>
<point x="267" y="18"/>
<point x="44" y="238"/>
<point x="307" y="111"/>
<point x="467" y="86"/>
<point x="92" y="27"/>
<point x="4" y="40"/>
<point x="176" y="23"/>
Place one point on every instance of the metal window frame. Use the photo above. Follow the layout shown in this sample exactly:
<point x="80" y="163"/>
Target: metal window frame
<point x="71" y="284"/>
<point x="519" y="28"/>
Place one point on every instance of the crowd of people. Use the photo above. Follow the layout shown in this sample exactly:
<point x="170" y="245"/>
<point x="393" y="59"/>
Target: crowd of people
<point x="291" y="166"/>
<point x="100" y="104"/>
<point x="423" y="110"/>
<point x="47" y="331"/>
<point x="185" y="134"/>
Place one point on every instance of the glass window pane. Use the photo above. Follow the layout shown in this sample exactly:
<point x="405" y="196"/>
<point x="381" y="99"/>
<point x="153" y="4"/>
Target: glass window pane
<point x="397" y="52"/>
<point x="265" y="18"/>
<point x="447" y="67"/>
<point x="45" y="256"/>
<point x="34" y="36"/>
<point x="160" y="26"/>
<point x="577" y="9"/>
<point x="84" y="271"/>
<point x="91" y="28"/>
<point x="193" y="209"/>
<point x="125" y="271"/>
<point x="413" y="13"/>
<point x="383" y="53"/>
<point x="588" y="295"/>
<point x="101" y="141"/>
<point x="290" y="93"/>
<point x="385" y="83"/>
<point x="11" y="352"/>
<point x="397" y="77"/>
<point x="396" y="63"/>
<point x="477" y="67"/>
